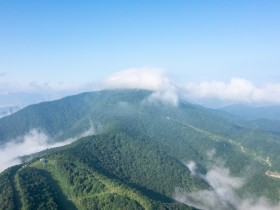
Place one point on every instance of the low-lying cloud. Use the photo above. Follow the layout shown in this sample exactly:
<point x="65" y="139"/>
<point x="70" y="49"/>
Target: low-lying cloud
<point x="32" y="142"/>
<point x="147" y="79"/>
<point x="237" y="90"/>
<point x="222" y="193"/>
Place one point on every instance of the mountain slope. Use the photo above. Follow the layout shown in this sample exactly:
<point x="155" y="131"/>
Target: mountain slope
<point x="141" y="147"/>
<point x="68" y="115"/>
<point x="101" y="172"/>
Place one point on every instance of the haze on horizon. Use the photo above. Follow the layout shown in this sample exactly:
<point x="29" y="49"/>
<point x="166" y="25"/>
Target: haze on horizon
<point x="226" y="52"/>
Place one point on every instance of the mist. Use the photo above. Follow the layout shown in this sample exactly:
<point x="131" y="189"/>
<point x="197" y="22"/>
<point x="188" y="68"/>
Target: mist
<point x="222" y="194"/>
<point x="32" y="142"/>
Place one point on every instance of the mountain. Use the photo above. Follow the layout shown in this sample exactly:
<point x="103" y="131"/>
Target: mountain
<point x="138" y="153"/>
<point x="67" y="117"/>
<point x="266" y="118"/>
<point x="93" y="174"/>
<point x="8" y="110"/>
<point x="247" y="112"/>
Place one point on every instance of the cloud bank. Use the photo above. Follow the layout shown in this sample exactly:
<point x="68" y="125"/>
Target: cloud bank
<point x="222" y="194"/>
<point x="237" y="90"/>
<point x="147" y="79"/>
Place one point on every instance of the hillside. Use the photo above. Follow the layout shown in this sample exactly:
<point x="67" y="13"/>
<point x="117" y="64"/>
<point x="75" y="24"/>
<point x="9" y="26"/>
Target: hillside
<point x="136" y="155"/>
<point x="66" y="117"/>
<point x="94" y="174"/>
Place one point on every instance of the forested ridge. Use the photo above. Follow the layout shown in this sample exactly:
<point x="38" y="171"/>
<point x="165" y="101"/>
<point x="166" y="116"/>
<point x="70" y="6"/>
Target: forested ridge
<point x="136" y="155"/>
<point x="88" y="176"/>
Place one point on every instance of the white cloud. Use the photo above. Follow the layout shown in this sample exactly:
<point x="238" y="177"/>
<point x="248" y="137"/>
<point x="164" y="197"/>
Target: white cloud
<point x="169" y="96"/>
<point x="222" y="194"/>
<point x="192" y="167"/>
<point x="34" y="141"/>
<point x="236" y="90"/>
<point x="142" y="78"/>
<point x="147" y="79"/>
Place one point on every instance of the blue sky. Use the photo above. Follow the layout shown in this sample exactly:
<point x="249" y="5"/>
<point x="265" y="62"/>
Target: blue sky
<point x="85" y="41"/>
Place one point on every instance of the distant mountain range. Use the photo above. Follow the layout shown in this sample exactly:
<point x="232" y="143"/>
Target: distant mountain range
<point x="137" y="153"/>
<point x="247" y="112"/>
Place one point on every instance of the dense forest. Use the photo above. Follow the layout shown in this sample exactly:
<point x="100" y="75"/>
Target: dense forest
<point x="135" y="155"/>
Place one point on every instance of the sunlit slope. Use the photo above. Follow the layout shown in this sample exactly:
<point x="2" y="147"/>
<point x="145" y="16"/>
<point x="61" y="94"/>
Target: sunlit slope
<point x="98" y="111"/>
<point x="110" y="171"/>
<point x="145" y="144"/>
<point x="60" y="117"/>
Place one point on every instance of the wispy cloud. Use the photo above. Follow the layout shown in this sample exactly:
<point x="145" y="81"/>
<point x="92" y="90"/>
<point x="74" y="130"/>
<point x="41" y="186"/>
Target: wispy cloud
<point x="192" y="167"/>
<point x="222" y="193"/>
<point x="236" y="90"/>
<point x="32" y="142"/>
